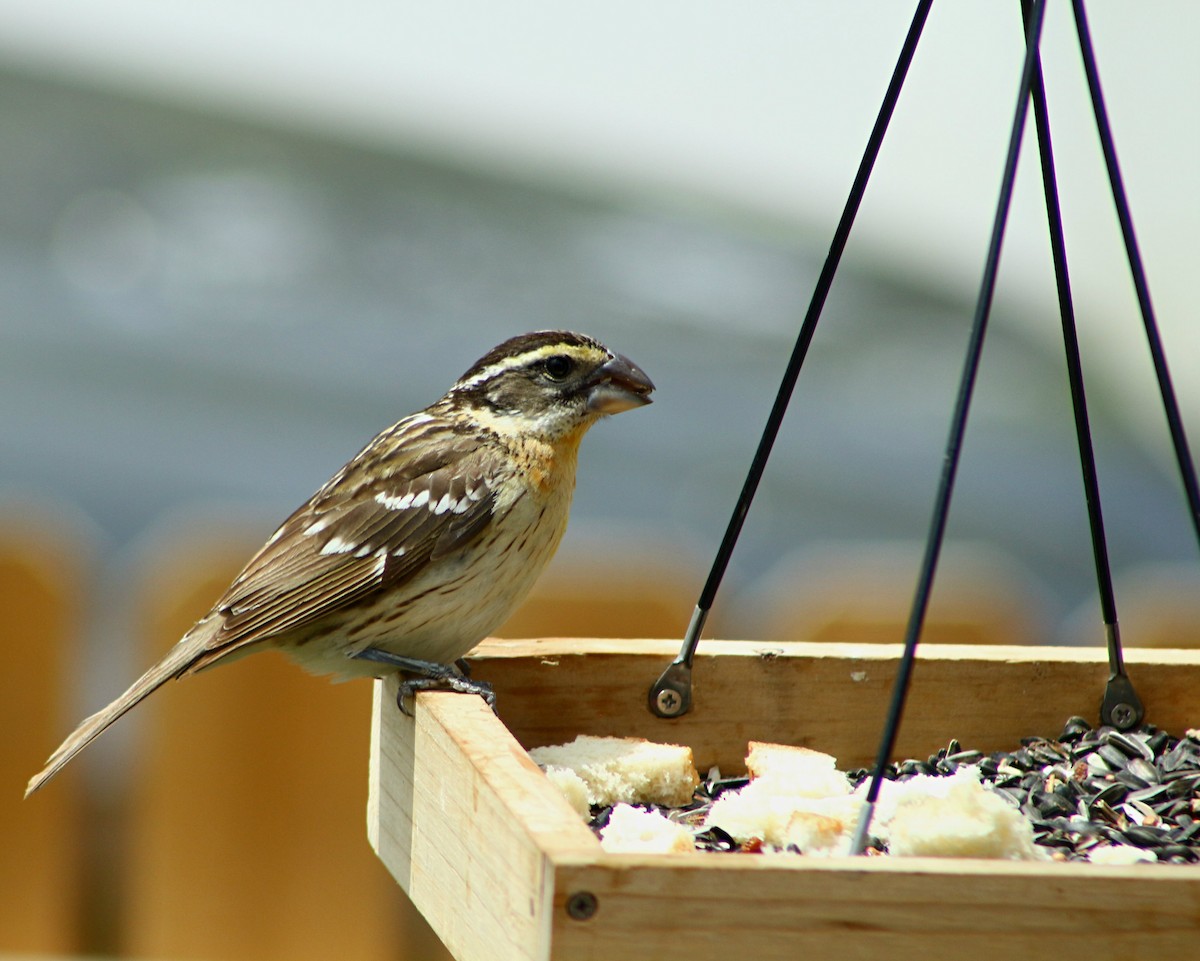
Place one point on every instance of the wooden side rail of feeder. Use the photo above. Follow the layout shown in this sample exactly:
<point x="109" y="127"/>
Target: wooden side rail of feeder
<point x="503" y="868"/>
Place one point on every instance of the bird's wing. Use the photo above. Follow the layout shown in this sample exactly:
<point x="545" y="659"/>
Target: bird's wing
<point x="357" y="537"/>
<point x="379" y="521"/>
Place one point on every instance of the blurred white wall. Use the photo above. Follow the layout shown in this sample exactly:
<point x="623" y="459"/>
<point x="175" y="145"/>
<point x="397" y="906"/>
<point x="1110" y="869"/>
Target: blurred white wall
<point x="763" y="107"/>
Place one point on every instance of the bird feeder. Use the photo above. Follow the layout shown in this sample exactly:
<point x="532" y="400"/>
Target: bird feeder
<point x="503" y="867"/>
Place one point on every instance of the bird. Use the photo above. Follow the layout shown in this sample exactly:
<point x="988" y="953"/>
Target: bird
<point x="424" y="542"/>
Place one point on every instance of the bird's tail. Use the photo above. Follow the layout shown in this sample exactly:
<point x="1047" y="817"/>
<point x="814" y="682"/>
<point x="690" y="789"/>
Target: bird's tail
<point x="177" y="662"/>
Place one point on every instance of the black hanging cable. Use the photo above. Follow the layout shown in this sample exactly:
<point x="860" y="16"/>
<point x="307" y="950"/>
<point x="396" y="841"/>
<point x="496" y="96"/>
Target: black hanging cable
<point x="1120" y="706"/>
<point x="954" y="445"/>
<point x="1187" y="469"/>
<point x="671" y="694"/>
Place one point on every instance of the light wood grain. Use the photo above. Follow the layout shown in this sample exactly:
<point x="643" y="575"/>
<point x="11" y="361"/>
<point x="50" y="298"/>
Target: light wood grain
<point x="709" y="908"/>
<point x="832" y="697"/>
<point x="491" y="855"/>
<point x="476" y="853"/>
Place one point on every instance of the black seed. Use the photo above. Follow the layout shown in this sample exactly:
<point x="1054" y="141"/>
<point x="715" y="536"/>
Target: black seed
<point x="1144" y="837"/>
<point x="716" y="839"/>
<point x="1112" y="756"/>
<point x="717" y="788"/>
<point x="600" y="818"/>
<point x="1158" y="742"/>
<point x="1074" y="729"/>
<point x="1088" y="788"/>
<point x="1051" y="805"/>
<point x="1114" y="793"/>
<point x="1148" y="795"/>
<point x="1131" y="780"/>
<point x="1130" y="745"/>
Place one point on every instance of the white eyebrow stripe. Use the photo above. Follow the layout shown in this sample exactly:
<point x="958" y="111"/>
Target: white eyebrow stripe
<point x="522" y="360"/>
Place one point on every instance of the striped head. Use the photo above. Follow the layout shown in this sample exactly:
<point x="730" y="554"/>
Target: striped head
<point x="551" y="383"/>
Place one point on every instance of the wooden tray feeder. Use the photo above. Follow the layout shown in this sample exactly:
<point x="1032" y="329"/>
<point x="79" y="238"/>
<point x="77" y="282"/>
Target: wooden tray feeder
<point x="503" y="868"/>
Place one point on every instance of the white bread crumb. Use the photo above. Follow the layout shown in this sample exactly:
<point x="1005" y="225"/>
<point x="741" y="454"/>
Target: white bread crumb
<point x="631" y="830"/>
<point x="573" y="789"/>
<point x="957" y="816"/>
<point x="813" y="833"/>
<point x="1119" y="854"/>
<point x="798" y="771"/>
<point x="626" y="769"/>
<point x="762" y="811"/>
<point x="797" y="797"/>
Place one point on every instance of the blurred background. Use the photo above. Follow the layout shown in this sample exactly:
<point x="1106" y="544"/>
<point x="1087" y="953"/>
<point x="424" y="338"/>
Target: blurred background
<point x="238" y="239"/>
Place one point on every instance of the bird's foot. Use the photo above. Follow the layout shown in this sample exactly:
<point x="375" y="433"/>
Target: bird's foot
<point x="454" y="682"/>
<point x="432" y="676"/>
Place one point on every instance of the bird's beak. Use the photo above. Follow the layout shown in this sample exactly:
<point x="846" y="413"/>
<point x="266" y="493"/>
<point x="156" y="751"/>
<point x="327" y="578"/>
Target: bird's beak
<point x="618" y="385"/>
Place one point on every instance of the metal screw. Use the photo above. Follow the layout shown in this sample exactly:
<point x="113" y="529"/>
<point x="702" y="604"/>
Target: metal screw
<point x="669" y="702"/>
<point x="1122" y="715"/>
<point x="582" y="905"/>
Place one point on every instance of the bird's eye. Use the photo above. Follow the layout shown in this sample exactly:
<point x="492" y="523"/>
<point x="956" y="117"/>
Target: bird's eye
<point x="558" y="366"/>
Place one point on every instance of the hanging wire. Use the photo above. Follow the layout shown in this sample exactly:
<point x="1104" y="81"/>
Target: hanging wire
<point x="1187" y="470"/>
<point x="671" y="694"/>
<point x="954" y="445"/>
<point x="1120" y="706"/>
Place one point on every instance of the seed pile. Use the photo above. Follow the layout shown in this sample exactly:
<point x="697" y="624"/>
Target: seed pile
<point x="1095" y="786"/>
<point x="1087" y="789"/>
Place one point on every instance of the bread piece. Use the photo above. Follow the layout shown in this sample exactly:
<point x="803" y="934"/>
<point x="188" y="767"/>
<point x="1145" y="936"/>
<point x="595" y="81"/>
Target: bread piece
<point x="799" y="771"/>
<point x="632" y="830"/>
<point x="764" y="810"/>
<point x="572" y="787"/>
<point x="626" y="769"/>
<point x="812" y="833"/>
<point x="797" y="796"/>
<point x="1119" y="854"/>
<point x="957" y="816"/>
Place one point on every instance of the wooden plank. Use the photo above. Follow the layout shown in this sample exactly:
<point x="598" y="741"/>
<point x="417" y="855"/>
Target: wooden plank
<point x="475" y="855"/>
<point x="832" y="697"/>
<point x="709" y="908"/>
<point x="494" y="855"/>
<point x="390" y="787"/>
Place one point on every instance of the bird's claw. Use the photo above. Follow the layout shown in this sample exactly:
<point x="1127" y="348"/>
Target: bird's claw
<point x="431" y="676"/>
<point x="450" y="682"/>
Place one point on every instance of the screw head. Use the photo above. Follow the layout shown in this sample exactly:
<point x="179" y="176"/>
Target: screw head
<point x="669" y="702"/>
<point x="582" y="905"/>
<point x="1123" y="715"/>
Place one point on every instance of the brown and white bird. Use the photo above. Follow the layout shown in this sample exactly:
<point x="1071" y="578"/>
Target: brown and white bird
<point x="425" y="542"/>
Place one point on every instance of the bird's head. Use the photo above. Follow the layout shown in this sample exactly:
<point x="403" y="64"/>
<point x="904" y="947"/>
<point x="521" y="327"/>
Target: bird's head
<point x="551" y="382"/>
